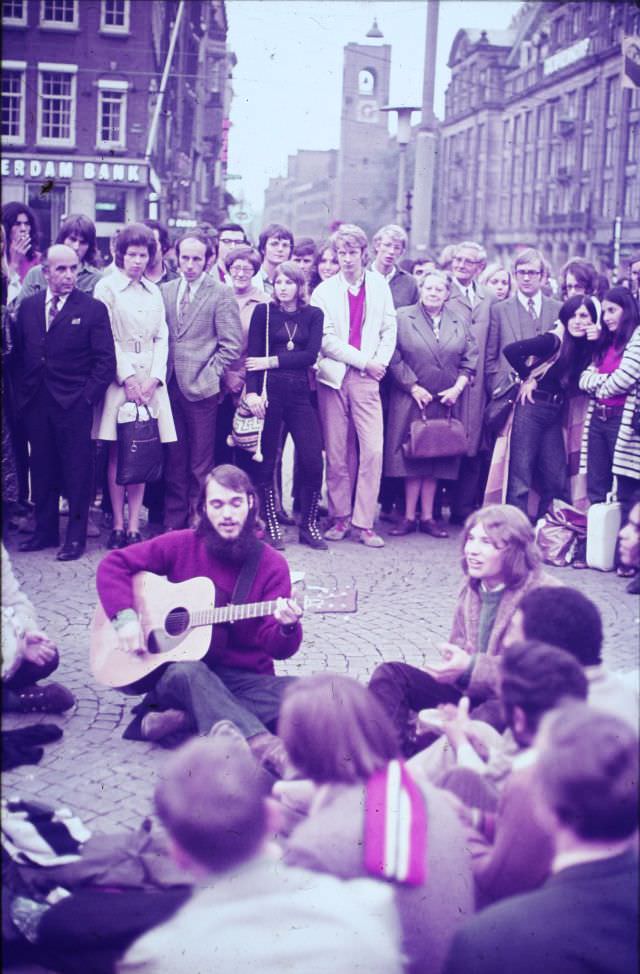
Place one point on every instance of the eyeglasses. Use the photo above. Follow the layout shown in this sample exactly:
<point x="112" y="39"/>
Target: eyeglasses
<point x="523" y="273"/>
<point x="242" y="270"/>
<point x="466" y="261"/>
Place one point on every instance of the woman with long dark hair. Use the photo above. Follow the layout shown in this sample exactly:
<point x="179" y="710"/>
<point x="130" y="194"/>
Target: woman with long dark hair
<point x="294" y="337"/>
<point x="23" y="239"/>
<point x="611" y="444"/>
<point x="556" y="359"/>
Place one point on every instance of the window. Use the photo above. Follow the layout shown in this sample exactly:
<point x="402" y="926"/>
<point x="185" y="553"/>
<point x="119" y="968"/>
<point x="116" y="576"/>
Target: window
<point x="111" y="205"/>
<point x="14" y="13"/>
<point x="112" y="115"/>
<point x="613" y="84"/>
<point x="13" y="102"/>
<point x="607" y="199"/>
<point x="587" y="151"/>
<point x="114" y="16"/>
<point x="633" y="145"/>
<point x="57" y="104"/>
<point x="589" y="103"/>
<point x="60" y="14"/>
<point x="609" y="147"/>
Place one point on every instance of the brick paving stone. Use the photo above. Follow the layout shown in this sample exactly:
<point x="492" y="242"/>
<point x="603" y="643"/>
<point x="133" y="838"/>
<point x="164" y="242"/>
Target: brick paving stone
<point x="407" y="593"/>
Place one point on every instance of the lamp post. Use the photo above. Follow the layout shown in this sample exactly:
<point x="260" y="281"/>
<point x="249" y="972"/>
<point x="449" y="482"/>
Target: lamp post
<point x="403" y="136"/>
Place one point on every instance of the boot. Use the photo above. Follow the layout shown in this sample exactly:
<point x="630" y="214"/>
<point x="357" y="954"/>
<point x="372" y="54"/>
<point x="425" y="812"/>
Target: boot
<point x="309" y="531"/>
<point x="273" y="535"/>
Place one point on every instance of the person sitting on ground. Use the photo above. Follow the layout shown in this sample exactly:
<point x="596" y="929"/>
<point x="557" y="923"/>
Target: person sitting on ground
<point x="501" y="563"/>
<point x="28" y="655"/>
<point x="236" y="679"/>
<point x="249" y="912"/>
<point x="629" y="543"/>
<point x="567" y="618"/>
<point x="585" y="916"/>
<point x="338" y="736"/>
<point x="512" y="850"/>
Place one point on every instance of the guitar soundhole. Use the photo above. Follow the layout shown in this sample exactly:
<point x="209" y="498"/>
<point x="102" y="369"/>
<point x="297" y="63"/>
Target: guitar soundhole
<point x="177" y="622"/>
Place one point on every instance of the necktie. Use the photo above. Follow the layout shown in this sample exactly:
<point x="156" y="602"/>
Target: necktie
<point x="53" y="310"/>
<point x="531" y="308"/>
<point x="184" y="304"/>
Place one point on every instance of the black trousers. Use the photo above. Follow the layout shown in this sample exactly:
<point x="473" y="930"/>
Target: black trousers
<point x="62" y="458"/>
<point x="290" y="406"/>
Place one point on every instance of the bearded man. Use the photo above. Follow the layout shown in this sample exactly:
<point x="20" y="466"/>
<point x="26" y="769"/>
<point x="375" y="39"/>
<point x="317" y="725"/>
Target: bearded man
<point x="235" y="681"/>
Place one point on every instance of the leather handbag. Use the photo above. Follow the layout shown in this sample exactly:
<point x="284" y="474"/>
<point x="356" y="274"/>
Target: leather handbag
<point x="502" y="402"/>
<point x="139" y="446"/>
<point x="246" y="429"/>
<point x="429" y="438"/>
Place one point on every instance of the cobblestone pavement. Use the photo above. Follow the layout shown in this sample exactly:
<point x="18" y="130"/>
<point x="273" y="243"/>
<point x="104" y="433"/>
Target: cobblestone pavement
<point x="406" y="592"/>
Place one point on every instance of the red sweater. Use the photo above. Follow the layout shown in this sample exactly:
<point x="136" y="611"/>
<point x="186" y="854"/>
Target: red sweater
<point x="251" y="644"/>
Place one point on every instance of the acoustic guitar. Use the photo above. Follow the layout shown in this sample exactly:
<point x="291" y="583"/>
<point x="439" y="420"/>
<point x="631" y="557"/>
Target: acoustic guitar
<point x="177" y="619"/>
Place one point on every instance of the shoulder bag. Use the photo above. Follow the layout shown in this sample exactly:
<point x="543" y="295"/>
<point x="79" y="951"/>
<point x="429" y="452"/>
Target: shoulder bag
<point x="246" y="429"/>
<point x="139" y="446"/>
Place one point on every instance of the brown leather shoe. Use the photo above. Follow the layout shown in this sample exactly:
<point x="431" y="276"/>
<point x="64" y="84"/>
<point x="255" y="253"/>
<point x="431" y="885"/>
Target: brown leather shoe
<point x="161" y="723"/>
<point x="431" y="527"/>
<point x="405" y="526"/>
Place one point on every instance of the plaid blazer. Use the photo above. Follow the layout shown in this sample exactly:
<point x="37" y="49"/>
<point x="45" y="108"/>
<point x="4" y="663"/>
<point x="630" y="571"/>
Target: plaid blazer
<point x="206" y="342"/>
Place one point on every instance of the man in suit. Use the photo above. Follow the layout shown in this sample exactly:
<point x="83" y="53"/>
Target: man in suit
<point x="205" y="336"/>
<point x="66" y="359"/>
<point x="389" y="244"/>
<point x="585" y="917"/>
<point x="472" y="302"/>
<point x="526" y="314"/>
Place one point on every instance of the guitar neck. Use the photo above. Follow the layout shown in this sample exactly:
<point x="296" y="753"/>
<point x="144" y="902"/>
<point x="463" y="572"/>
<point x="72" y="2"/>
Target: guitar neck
<point x="232" y="613"/>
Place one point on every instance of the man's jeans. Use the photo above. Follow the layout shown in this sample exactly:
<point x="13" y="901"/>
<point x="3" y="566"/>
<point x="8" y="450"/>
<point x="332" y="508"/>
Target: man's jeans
<point x="251" y="700"/>
<point x="537" y="456"/>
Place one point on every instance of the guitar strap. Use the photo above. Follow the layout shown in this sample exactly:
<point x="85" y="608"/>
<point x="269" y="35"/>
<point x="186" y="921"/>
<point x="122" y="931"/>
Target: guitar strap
<point x="247" y="574"/>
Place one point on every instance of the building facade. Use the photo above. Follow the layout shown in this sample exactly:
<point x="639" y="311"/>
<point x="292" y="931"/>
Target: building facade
<point x="304" y="199"/>
<point x="540" y="143"/>
<point x="80" y="87"/>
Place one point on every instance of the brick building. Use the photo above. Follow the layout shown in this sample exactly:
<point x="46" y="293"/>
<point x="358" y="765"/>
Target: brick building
<point x="80" y="84"/>
<point x="303" y="200"/>
<point x="540" y="144"/>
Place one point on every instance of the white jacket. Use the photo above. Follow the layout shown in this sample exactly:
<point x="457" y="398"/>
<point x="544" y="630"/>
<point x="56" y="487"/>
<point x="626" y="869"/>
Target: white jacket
<point x="378" y="330"/>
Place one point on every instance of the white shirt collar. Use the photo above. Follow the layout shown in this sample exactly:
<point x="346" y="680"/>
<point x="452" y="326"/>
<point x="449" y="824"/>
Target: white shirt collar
<point x="194" y="285"/>
<point x="49" y="298"/>
<point x="537" y="301"/>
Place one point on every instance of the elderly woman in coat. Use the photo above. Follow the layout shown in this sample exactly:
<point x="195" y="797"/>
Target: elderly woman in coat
<point x="435" y="359"/>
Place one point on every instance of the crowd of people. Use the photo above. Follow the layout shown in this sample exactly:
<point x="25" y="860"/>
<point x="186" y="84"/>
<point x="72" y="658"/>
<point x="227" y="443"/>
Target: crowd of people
<point x="477" y="813"/>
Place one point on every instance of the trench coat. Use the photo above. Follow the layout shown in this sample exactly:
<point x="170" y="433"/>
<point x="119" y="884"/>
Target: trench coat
<point x="434" y="363"/>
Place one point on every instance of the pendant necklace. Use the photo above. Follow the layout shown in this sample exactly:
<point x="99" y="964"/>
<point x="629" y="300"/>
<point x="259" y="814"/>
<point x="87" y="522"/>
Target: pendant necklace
<point x="291" y="335"/>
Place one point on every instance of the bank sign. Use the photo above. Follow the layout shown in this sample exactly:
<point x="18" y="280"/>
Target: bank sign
<point x="108" y="172"/>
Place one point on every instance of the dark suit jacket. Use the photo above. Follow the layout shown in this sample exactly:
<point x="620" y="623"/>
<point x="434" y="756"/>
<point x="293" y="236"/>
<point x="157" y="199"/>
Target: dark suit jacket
<point x="582" y="921"/>
<point x="74" y="358"/>
<point x="209" y="339"/>
<point x="505" y="327"/>
<point x="404" y="289"/>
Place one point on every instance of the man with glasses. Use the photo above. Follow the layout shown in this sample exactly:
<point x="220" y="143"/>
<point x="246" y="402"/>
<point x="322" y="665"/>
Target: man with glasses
<point x="230" y="236"/>
<point x="205" y="336"/>
<point x="472" y="302"/>
<point x="527" y="314"/>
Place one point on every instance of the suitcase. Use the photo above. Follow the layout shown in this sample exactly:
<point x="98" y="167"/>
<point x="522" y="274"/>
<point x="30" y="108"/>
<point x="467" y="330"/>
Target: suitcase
<point x="603" y="524"/>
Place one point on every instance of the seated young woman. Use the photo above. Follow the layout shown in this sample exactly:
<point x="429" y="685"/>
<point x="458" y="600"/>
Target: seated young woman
<point x="339" y="738"/>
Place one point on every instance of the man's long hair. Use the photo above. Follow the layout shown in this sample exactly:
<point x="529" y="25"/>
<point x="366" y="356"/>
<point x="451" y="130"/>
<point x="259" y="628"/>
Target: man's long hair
<point x="236" y="549"/>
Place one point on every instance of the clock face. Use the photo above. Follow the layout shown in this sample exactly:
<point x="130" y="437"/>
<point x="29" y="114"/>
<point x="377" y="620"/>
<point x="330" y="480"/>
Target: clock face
<point x="366" y="82"/>
<point x="367" y="110"/>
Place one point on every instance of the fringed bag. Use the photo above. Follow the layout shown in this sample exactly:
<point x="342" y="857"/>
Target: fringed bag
<point x="246" y="429"/>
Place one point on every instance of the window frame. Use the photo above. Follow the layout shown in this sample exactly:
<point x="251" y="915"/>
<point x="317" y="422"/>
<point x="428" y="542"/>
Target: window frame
<point x="72" y="71"/>
<point x="10" y="21"/>
<point x="60" y="24"/>
<point x="115" y="29"/>
<point x="110" y="87"/>
<point x="21" y="68"/>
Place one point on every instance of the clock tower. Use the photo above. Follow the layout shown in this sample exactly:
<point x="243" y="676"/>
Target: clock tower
<point x="364" y="136"/>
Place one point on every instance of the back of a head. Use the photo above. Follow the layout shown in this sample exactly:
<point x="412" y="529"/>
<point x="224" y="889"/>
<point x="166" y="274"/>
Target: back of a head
<point x="335" y="730"/>
<point x="563" y="617"/>
<point x="536" y="677"/>
<point x="587" y="768"/>
<point x="211" y="801"/>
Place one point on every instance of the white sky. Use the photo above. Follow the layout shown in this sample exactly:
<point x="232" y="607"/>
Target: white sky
<point x="287" y="83"/>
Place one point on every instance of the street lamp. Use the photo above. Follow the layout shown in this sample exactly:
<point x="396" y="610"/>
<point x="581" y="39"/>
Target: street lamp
<point x="403" y="136"/>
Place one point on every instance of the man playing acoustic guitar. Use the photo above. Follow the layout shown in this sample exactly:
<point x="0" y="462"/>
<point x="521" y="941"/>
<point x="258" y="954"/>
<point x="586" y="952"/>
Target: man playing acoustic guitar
<point x="235" y="679"/>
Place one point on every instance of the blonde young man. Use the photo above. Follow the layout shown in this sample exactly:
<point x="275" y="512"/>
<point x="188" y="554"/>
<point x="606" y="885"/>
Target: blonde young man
<point x="358" y="342"/>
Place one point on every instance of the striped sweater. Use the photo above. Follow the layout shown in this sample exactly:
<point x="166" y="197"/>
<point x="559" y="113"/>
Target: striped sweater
<point x="623" y="380"/>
